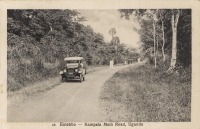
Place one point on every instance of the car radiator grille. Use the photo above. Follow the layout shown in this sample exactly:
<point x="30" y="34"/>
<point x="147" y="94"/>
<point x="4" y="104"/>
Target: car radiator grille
<point x="70" y="70"/>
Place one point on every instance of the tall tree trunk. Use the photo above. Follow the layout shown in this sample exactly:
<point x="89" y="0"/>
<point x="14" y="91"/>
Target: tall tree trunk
<point x="174" y="21"/>
<point x="163" y="45"/>
<point x="51" y="58"/>
<point x="156" y="47"/>
<point x="50" y="27"/>
<point x="154" y="39"/>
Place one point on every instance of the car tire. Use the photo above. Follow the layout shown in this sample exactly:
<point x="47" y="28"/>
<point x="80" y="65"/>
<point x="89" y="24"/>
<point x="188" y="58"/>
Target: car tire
<point x="81" y="78"/>
<point x="66" y="79"/>
<point x="61" y="79"/>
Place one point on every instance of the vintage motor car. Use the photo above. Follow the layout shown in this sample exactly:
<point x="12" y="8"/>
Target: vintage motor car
<point x="75" y="68"/>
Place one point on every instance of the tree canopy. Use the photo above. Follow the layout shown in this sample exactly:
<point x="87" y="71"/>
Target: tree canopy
<point x="162" y="18"/>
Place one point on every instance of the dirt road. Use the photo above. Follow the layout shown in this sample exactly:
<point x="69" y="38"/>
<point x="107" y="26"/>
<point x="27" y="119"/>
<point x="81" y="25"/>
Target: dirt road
<point x="69" y="102"/>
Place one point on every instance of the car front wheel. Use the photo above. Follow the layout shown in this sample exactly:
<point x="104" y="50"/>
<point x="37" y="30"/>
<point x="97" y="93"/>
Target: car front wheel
<point x="81" y="78"/>
<point x="66" y="79"/>
<point x="62" y="78"/>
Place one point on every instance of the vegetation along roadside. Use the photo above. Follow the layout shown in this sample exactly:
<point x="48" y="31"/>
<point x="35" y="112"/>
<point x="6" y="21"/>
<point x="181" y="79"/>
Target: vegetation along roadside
<point x="39" y="40"/>
<point x="147" y="95"/>
<point x="15" y="97"/>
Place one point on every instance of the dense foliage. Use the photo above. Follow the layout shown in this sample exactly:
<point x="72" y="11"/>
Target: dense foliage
<point x="39" y="40"/>
<point x="162" y="20"/>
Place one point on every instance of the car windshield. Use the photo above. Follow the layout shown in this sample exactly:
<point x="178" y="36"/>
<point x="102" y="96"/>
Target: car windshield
<point x="72" y="61"/>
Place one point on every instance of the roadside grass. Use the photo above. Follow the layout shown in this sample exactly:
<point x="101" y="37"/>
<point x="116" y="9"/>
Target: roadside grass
<point x="17" y="96"/>
<point x="144" y="94"/>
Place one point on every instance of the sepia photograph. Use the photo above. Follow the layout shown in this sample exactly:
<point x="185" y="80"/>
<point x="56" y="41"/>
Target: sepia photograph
<point x="99" y="65"/>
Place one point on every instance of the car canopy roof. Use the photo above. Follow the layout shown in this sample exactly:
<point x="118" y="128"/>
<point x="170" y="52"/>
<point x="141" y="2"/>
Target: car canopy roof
<point x="73" y="58"/>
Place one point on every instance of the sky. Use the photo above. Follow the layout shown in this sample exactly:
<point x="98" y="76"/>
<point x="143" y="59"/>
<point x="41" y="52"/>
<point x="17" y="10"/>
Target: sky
<point x="103" y="20"/>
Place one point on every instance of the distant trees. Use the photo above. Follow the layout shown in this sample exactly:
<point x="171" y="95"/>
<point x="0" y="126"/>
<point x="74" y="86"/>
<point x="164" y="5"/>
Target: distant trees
<point x="166" y="26"/>
<point x="115" y="41"/>
<point x="112" y="32"/>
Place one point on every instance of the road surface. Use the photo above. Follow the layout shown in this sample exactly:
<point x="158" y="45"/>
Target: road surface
<point x="68" y="102"/>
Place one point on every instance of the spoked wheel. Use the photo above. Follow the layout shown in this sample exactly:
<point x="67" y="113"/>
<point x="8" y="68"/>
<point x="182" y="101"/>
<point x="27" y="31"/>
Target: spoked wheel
<point x="81" y="78"/>
<point x="62" y="79"/>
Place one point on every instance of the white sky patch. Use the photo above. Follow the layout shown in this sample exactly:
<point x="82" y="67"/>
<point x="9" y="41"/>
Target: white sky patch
<point x="103" y="20"/>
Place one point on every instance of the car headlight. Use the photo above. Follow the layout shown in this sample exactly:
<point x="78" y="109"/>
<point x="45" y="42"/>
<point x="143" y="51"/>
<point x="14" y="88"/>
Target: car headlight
<point x="61" y="72"/>
<point x="76" y="70"/>
<point x="65" y="70"/>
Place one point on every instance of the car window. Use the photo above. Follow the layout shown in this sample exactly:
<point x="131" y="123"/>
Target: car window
<point x="73" y="61"/>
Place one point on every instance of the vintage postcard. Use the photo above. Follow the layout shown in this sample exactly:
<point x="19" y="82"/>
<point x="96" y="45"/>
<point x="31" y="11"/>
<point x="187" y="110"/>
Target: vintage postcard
<point x="99" y="64"/>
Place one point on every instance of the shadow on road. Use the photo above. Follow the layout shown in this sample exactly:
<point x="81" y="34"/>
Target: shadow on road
<point x="72" y="81"/>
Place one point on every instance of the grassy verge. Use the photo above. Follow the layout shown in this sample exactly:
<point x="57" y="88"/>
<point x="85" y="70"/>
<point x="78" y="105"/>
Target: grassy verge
<point x="147" y="95"/>
<point x="14" y="97"/>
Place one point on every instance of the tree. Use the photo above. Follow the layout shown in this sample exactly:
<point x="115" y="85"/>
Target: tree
<point x="148" y="22"/>
<point x="151" y="15"/>
<point x="162" y="15"/>
<point x="174" y="23"/>
<point x="115" y="39"/>
<point x="112" y="32"/>
<point x="163" y="46"/>
<point x="170" y="27"/>
<point x="184" y="37"/>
